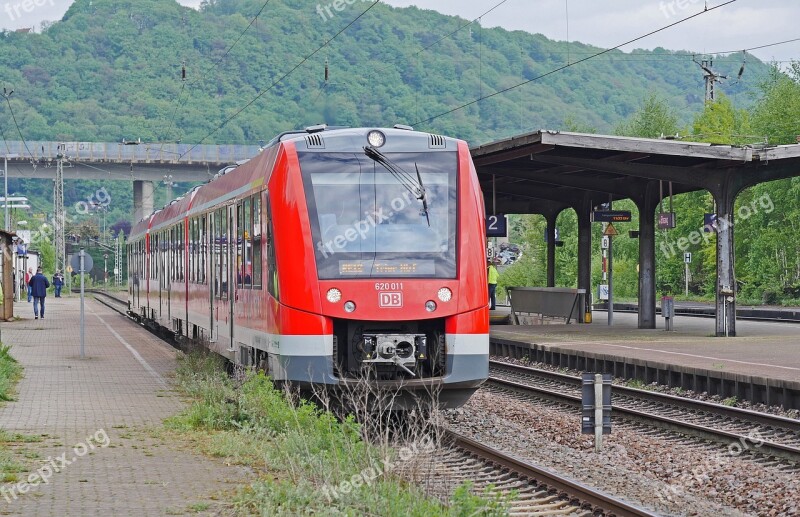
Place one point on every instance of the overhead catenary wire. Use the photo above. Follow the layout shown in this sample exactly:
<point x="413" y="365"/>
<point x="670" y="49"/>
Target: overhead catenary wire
<point x="214" y="66"/>
<point x="7" y="95"/>
<point x="425" y="49"/>
<point x="279" y="80"/>
<point x="556" y="70"/>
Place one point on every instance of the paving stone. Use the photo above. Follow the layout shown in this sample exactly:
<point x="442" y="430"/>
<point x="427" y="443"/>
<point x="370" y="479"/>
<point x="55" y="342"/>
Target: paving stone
<point x="122" y="389"/>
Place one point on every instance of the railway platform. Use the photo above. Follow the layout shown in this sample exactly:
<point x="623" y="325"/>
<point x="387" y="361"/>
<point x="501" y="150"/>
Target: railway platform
<point x="761" y="364"/>
<point x="101" y="443"/>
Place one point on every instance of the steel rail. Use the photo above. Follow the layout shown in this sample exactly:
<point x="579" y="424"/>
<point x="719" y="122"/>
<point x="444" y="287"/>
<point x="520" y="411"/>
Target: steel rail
<point x="766" y="447"/>
<point x="606" y="503"/>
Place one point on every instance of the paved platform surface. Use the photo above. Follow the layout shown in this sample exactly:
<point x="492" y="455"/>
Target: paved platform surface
<point x="764" y="349"/>
<point x="121" y="391"/>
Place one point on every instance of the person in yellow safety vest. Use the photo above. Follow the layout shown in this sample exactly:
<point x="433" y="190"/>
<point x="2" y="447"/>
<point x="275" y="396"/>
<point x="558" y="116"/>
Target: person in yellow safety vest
<point x="492" y="274"/>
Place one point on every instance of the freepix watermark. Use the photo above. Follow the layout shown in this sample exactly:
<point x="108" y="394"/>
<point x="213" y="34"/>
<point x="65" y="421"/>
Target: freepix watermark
<point x="55" y="466"/>
<point x="763" y="203"/>
<point x="703" y="473"/>
<point x="672" y="7"/>
<point x="326" y="11"/>
<point x="16" y="10"/>
<point x="360" y="229"/>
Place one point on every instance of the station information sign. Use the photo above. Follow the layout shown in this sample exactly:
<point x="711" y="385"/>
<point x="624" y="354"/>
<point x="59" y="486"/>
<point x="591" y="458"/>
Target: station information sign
<point x="612" y="216"/>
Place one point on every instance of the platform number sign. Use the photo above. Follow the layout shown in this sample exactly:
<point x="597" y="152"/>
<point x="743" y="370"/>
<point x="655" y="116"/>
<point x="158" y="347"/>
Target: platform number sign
<point x="496" y="225"/>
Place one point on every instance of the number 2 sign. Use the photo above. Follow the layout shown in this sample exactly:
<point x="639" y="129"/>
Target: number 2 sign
<point x="496" y="225"/>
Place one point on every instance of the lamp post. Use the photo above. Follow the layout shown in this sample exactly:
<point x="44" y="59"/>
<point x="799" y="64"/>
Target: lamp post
<point x="7" y="226"/>
<point x="105" y="271"/>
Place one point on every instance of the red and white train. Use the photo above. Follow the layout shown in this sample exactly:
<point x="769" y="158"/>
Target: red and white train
<point x="331" y="252"/>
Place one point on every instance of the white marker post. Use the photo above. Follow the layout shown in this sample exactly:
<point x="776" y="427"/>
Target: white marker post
<point x="598" y="412"/>
<point x="81" y="263"/>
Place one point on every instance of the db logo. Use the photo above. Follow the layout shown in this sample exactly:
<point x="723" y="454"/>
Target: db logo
<point x="391" y="300"/>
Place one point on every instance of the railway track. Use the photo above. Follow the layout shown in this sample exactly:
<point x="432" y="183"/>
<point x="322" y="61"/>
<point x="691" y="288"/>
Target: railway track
<point x="787" y="318"/>
<point x="109" y="300"/>
<point x="537" y="491"/>
<point x="767" y="434"/>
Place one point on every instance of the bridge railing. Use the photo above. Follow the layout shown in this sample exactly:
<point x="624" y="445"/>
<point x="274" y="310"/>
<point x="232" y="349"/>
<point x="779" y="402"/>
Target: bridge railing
<point x="137" y="153"/>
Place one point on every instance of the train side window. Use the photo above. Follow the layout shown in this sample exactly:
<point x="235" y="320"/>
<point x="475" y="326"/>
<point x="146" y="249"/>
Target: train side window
<point x="192" y="274"/>
<point x="213" y="257"/>
<point x="256" y="243"/>
<point x="247" y="250"/>
<point x="224" y="238"/>
<point x="172" y="268"/>
<point x="203" y="247"/>
<point x="181" y="241"/>
<point x="196" y="251"/>
<point x="272" y="267"/>
<point x="240" y="230"/>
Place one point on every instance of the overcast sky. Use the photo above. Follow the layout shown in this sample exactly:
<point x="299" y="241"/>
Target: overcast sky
<point x="604" y="23"/>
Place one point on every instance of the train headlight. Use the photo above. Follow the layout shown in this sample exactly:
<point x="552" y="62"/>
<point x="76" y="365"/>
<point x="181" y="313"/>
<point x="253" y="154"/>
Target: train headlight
<point x="376" y="138"/>
<point x="334" y="295"/>
<point x="349" y="306"/>
<point x="445" y="294"/>
<point x="430" y="306"/>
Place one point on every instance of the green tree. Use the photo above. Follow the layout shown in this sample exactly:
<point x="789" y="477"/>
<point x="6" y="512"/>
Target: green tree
<point x="721" y="123"/>
<point x="653" y="119"/>
<point x="47" y="254"/>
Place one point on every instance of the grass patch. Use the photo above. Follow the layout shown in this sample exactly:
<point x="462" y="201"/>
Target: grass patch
<point x="10" y="465"/>
<point x="10" y="373"/>
<point x="310" y="461"/>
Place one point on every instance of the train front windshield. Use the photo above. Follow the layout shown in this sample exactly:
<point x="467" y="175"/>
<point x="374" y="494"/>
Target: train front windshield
<point x="373" y="221"/>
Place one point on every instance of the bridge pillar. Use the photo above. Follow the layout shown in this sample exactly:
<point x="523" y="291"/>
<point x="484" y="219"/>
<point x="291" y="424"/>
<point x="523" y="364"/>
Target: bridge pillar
<point x="647" y="256"/>
<point x="142" y="199"/>
<point x="584" y="210"/>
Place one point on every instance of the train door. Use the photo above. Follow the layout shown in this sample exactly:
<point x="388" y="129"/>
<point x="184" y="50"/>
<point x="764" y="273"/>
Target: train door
<point x="232" y="281"/>
<point x="213" y="276"/>
<point x="158" y="267"/>
<point x="172" y="255"/>
<point x="222" y="306"/>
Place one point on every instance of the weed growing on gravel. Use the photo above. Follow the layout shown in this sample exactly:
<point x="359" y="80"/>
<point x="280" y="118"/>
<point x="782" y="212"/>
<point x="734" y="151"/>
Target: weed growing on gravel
<point x="636" y="383"/>
<point x="313" y="462"/>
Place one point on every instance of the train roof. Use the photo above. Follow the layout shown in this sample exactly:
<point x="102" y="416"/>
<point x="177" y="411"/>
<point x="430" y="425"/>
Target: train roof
<point x="394" y="140"/>
<point x="142" y="227"/>
<point x="177" y="209"/>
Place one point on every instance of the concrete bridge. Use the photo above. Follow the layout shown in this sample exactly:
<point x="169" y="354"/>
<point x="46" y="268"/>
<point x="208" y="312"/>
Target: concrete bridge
<point x="139" y="162"/>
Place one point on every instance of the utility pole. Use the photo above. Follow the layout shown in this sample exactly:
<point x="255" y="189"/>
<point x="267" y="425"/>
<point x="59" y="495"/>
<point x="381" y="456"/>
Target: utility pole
<point x="58" y="211"/>
<point x="711" y="78"/>
<point x="7" y="221"/>
<point x="168" y="182"/>
<point x="117" y="272"/>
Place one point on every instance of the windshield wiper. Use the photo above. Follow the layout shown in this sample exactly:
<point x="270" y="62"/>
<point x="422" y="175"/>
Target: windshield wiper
<point x="422" y="196"/>
<point x="415" y="187"/>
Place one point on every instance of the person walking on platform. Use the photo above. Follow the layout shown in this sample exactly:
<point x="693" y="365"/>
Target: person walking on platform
<point x="492" y="274"/>
<point x="28" y="276"/>
<point x="58" y="282"/>
<point x="38" y="288"/>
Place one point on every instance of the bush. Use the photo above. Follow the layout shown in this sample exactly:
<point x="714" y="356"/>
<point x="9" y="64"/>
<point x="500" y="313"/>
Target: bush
<point x="317" y="463"/>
